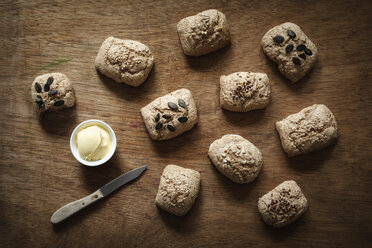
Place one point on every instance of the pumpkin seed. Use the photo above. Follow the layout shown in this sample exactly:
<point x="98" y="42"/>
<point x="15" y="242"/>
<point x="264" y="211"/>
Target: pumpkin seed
<point x="39" y="99"/>
<point x="296" y="61"/>
<point x="302" y="56"/>
<point x="157" y="118"/>
<point x="291" y="33"/>
<point x="308" y="52"/>
<point x="182" y="103"/>
<point x="278" y="39"/>
<point x="182" y="119"/>
<point x="158" y="126"/>
<point x="59" y="103"/>
<point x="52" y="92"/>
<point x="172" y="105"/>
<point x="50" y="80"/>
<point x="171" y="128"/>
<point x="37" y="87"/>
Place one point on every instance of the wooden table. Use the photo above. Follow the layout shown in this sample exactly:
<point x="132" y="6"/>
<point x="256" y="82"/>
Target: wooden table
<point x="38" y="173"/>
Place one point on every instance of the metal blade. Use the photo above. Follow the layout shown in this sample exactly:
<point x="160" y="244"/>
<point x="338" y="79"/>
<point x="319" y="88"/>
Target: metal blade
<point x="121" y="180"/>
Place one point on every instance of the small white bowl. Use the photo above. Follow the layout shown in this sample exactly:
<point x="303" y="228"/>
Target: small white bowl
<point x="75" y="151"/>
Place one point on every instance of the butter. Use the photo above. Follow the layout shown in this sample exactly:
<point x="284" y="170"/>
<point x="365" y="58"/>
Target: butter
<point x="93" y="143"/>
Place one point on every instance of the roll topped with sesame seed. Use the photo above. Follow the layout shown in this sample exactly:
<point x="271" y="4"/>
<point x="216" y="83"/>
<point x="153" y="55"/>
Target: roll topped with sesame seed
<point x="125" y="61"/>
<point x="178" y="189"/>
<point x="203" y="33"/>
<point x="236" y="158"/>
<point x="244" y="91"/>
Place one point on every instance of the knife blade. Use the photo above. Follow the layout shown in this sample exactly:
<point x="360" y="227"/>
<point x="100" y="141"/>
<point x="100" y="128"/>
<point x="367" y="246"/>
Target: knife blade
<point x="73" y="207"/>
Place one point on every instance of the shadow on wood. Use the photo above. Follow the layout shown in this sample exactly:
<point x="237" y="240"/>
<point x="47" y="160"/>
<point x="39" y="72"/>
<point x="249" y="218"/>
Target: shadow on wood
<point x="311" y="161"/>
<point x="186" y="223"/>
<point x="238" y="191"/>
<point x="167" y="148"/>
<point x="205" y="62"/>
<point x="78" y="217"/>
<point x="60" y="122"/>
<point x="244" y="119"/>
<point x="96" y="177"/>
<point x="128" y="92"/>
<point x="283" y="233"/>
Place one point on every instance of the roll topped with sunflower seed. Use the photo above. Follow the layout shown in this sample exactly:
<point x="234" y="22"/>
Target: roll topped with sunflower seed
<point x="289" y="47"/>
<point x="168" y="116"/>
<point x="52" y="91"/>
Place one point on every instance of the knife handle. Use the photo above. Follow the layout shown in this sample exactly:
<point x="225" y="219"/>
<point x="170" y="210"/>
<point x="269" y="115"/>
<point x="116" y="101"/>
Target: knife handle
<point x="73" y="207"/>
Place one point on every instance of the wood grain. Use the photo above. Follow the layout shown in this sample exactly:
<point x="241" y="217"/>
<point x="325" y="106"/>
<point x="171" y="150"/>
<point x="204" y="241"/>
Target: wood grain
<point x="38" y="173"/>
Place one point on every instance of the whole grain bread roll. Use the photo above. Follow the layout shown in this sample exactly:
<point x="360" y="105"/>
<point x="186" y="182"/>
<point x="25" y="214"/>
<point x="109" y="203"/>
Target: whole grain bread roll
<point x="282" y="205"/>
<point x="236" y="158"/>
<point x="289" y="47"/>
<point x="312" y="128"/>
<point x="178" y="189"/>
<point x="125" y="61"/>
<point x="171" y="115"/>
<point x="244" y="91"/>
<point x="52" y="92"/>
<point x="203" y="33"/>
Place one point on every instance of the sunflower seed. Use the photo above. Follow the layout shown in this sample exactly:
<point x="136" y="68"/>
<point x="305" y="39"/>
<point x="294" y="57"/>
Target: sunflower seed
<point x="171" y="128"/>
<point x="59" y="103"/>
<point x="157" y="118"/>
<point x="182" y="103"/>
<point x="167" y="116"/>
<point x="158" y="126"/>
<point x="41" y="106"/>
<point x="52" y="92"/>
<point x="46" y="87"/>
<point x="172" y="105"/>
<point x="37" y="87"/>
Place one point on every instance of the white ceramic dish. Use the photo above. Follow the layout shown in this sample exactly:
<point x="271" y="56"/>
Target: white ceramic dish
<point x="74" y="149"/>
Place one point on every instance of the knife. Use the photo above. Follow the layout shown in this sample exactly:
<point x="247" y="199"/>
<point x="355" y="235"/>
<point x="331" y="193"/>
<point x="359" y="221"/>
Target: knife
<point x="73" y="207"/>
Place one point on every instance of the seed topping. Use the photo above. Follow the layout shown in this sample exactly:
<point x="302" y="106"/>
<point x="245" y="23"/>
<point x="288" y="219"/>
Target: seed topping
<point x="278" y="39"/>
<point x="172" y="106"/>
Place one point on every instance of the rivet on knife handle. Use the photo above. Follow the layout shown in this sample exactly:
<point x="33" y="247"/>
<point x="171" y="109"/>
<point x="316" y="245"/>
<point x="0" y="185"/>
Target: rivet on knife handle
<point x="73" y="207"/>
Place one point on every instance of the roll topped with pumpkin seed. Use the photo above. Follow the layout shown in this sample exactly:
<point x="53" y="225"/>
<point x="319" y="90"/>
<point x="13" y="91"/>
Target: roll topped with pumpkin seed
<point x="52" y="91"/>
<point x="170" y="115"/>
<point x="289" y="47"/>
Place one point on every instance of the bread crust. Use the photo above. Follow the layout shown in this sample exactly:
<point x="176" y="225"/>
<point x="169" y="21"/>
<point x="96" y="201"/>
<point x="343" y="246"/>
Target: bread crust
<point x="284" y="59"/>
<point x="282" y="205"/>
<point x="159" y="112"/>
<point x="203" y="33"/>
<point x="178" y="189"/>
<point x="52" y="92"/>
<point x="125" y="61"/>
<point x="244" y="91"/>
<point x="312" y="128"/>
<point x="236" y="158"/>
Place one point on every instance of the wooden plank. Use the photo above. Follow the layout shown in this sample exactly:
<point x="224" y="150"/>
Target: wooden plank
<point x="38" y="173"/>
